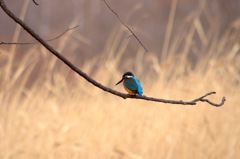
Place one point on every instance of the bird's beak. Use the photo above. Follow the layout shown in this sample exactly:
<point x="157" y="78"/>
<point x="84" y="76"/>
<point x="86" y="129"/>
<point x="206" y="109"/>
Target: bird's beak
<point x="119" y="81"/>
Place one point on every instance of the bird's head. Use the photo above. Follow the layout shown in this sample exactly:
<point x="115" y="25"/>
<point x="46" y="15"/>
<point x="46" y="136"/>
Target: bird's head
<point x="126" y="75"/>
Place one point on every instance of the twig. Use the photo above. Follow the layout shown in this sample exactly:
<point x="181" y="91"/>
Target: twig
<point x="34" y="1"/>
<point x="29" y="43"/>
<point x="92" y="81"/>
<point x="125" y="25"/>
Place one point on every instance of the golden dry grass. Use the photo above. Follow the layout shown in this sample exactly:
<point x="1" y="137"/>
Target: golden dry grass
<point x="47" y="111"/>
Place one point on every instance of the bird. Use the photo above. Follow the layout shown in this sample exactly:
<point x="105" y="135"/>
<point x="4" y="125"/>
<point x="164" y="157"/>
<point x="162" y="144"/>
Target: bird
<point x="131" y="84"/>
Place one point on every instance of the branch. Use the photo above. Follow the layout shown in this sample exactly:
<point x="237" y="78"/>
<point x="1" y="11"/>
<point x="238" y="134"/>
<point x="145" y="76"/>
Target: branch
<point x="28" y="43"/>
<point x="92" y="81"/>
<point x="131" y="31"/>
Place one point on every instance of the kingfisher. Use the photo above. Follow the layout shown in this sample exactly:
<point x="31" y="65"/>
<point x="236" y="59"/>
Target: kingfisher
<point x="131" y="84"/>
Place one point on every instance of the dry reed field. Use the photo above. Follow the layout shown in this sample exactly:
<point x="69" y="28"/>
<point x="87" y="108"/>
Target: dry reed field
<point x="48" y="111"/>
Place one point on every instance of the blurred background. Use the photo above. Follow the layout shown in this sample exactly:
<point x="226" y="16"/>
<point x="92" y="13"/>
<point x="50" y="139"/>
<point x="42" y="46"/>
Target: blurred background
<point x="48" y="111"/>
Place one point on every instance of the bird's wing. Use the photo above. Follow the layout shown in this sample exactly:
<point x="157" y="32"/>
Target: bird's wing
<point x="131" y="84"/>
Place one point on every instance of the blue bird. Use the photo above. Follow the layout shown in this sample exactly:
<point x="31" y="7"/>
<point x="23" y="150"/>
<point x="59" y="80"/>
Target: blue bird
<point x="131" y="84"/>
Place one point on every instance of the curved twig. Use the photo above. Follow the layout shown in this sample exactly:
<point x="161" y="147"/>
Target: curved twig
<point x="29" y="43"/>
<point x="125" y="25"/>
<point x="34" y="1"/>
<point x="92" y="81"/>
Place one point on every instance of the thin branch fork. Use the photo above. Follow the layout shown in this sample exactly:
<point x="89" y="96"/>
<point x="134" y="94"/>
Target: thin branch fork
<point x="92" y="81"/>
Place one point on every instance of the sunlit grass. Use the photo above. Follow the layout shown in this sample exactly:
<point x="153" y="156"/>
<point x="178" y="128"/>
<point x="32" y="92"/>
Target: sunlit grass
<point x="47" y="111"/>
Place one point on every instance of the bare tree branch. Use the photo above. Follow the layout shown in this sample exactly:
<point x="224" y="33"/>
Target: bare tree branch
<point x="92" y="81"/>
<point x="135" y="36"/>
<point x="29" y="43"/>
